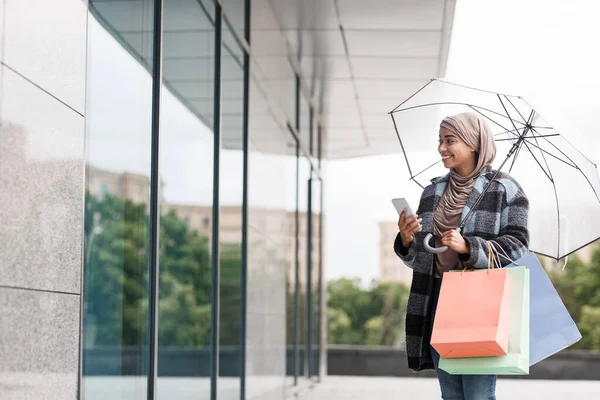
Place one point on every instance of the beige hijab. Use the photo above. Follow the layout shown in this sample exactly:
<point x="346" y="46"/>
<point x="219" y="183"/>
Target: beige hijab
<point x="476" y="133"/>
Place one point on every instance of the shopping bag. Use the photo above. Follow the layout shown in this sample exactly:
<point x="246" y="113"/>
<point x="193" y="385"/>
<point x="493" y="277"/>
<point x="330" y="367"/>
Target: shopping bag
<point x="551" y="327"/>
<point x="473" y="314"/>
<point x="516" y="362"/>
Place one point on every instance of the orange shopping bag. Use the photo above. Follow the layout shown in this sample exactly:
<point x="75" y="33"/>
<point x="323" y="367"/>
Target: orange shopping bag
<point x="473" y="314"/>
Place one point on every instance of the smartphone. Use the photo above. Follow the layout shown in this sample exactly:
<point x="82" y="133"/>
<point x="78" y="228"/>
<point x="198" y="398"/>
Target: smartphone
<point x="400" y="204"/>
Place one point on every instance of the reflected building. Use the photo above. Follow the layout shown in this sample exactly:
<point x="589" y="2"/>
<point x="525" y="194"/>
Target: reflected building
<point x="198" y="218"/>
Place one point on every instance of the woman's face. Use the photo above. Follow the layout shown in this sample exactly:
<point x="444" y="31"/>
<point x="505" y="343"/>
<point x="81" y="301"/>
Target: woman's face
<point x="455" y="153"/>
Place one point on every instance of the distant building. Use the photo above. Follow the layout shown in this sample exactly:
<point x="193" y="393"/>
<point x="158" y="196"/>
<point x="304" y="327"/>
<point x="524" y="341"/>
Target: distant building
<point x="264" y="223"/>
<point x="391" y="268"/>
<point x="127" y="185"/>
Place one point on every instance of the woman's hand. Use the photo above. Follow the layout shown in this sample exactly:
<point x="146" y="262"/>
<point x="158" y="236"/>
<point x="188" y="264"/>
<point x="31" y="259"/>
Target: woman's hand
<point x="455" y="241"/>
<point x="408" y="227"/>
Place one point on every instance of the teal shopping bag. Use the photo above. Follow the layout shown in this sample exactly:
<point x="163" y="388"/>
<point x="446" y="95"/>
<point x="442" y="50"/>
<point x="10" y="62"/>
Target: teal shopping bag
<point x="516" y="362"/>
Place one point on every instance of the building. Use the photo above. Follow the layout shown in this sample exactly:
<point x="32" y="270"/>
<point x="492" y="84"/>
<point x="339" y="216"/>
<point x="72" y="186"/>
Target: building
<point x="275" y="222"/>
<point x="228" y="106"/>
<point x="391" y="268"/>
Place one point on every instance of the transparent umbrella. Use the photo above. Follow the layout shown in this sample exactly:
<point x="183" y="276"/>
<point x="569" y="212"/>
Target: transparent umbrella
<point x="562" y="184"/>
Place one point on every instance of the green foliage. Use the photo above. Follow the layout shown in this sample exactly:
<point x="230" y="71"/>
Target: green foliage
<point x="116" y="279"/>
<point x="579" y="289"/>
<point x="589" y="325"/>
<point x="372" y="316"/>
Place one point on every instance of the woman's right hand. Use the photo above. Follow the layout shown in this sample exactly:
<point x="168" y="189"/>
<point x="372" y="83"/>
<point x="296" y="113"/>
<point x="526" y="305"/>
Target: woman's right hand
<point x="408" y="227"/>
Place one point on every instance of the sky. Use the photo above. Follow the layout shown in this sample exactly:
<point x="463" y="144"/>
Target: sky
<point x="544" y="50"/>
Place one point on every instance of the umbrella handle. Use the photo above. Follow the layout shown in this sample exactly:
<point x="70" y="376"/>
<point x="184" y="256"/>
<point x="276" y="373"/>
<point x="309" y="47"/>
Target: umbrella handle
<point x="432" y="250"/>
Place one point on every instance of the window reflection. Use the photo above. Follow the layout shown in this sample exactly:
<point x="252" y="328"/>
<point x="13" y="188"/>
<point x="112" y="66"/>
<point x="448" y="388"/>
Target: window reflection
<point x="271" y="249"/>
<point x="118" y="138"/>
<point x="117" y="206"/>
<point x="317" y="283"/>
<point x="303" y="308"/>
<point x="230" y="220"/>
<point x="186" y="170"/>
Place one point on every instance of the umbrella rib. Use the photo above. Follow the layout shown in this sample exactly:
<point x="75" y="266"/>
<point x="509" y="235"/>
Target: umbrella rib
<point x="417" y="182"/>
<point x="512" y="131"/>
<point x="551" y="155"/>
<point x="504" y="140"/>
<point x="514" y="126"/>
<point x="535" y="138"/>
<point x="564" y="138"/>
<point x="454" y="103"/>
<point x="413" y="95"/>
<point x="431" y="166"/>
<point x="511" y="103"/>
<point x="506" y="111"/>
<point x="401" y="145"/>
<point x="558" y="214"/>
<point x="509" y="139"/>
<point x="576" y="166"/>
<point x="538" y="147"/>
<point x="488" y="118"/>
<point x="498" y="114"/>
<point x="555" y="191"/>
<point x="549" y="172"/>
<point x="553" y="145"/>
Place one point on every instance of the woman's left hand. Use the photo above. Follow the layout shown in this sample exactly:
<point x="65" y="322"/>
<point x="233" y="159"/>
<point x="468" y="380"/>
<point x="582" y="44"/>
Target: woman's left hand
<point x="455" y="241"/>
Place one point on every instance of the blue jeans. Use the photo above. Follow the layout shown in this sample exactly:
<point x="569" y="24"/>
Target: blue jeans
<point x="460" y="387"/>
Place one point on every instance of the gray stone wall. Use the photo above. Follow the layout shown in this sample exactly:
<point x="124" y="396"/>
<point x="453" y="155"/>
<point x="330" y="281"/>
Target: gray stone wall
<point x="42" y="127"/>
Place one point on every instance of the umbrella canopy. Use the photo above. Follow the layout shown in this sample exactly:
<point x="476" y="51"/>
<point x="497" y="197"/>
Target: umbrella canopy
<point x="562" y="184"/>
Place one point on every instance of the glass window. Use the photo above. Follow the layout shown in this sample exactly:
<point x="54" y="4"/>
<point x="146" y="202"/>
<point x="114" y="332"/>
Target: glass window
<point x="303" y="267"/>
<point x="305" y="123"/>
<point x="292" y="316"/>
<point x="235" y="10"/>
<point x="317" y="278"/>
<point x="118" y="143"/>
<point x="271" y="250"/>
<point x="186" y="172"/>
<point x="230" y="221"/>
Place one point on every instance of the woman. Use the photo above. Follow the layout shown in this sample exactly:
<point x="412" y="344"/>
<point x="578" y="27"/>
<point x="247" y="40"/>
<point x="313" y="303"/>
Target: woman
<point x="467" y="148"/>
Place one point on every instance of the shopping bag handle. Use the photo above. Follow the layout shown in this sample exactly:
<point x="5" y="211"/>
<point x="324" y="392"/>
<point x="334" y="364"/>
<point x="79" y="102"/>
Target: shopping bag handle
<point x="500" y="252"/>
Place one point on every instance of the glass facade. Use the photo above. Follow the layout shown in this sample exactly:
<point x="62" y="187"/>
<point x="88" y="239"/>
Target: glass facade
<point x="203" y="210"/>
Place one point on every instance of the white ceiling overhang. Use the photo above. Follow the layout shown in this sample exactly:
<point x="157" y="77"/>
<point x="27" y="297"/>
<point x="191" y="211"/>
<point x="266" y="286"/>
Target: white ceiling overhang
<point x="359" y="60"/>
<point x="370" y="56"/>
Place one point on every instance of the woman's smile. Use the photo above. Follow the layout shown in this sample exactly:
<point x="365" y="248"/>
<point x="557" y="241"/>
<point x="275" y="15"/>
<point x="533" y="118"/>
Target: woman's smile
<point x="446" y="158"/>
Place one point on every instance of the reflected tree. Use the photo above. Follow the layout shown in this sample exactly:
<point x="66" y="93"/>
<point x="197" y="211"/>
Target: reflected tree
<point x="116" y="278"/>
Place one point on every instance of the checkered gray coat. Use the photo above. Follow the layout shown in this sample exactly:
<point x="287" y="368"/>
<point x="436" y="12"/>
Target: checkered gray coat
<point x="502" y="215"/>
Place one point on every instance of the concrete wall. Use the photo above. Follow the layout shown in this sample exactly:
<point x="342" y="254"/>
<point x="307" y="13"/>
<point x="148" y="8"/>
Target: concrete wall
<point x="42" y="105"/>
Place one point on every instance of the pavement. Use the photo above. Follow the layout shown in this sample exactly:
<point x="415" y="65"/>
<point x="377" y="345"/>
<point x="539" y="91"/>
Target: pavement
<point x="376" y="388"/>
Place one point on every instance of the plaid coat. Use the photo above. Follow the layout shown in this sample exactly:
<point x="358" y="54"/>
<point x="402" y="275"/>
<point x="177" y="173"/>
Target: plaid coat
<point x="502" y="215"/>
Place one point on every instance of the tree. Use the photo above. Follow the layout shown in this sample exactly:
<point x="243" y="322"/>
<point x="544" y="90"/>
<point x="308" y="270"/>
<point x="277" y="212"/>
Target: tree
<point x="376" y="314"/>
<point x="339" y="330"/>
<point x="578" y="288"/>
<point x="116" y="279"/>
<point x="116" y="271"/>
